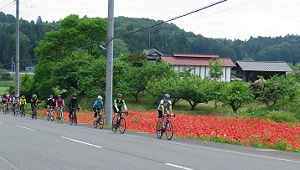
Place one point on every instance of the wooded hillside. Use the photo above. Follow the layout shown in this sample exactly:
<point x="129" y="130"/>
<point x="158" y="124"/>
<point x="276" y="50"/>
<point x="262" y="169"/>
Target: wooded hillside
<point x="166" y="38"/>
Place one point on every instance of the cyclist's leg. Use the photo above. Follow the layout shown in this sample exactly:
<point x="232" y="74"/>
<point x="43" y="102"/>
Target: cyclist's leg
<point x="159" y="121"/>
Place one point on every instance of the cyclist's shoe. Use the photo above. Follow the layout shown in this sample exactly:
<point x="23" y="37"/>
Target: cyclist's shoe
<point x="158" y="133"/>
<point x="75" y="124"/>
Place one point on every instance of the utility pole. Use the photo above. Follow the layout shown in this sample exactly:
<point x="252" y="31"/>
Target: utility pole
<point x="109" y="64"/>
<point x="17" y="78"/>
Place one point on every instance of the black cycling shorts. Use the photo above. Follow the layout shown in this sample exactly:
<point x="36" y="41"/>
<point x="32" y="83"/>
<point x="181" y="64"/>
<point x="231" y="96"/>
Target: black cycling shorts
<point x="159" y="113"/>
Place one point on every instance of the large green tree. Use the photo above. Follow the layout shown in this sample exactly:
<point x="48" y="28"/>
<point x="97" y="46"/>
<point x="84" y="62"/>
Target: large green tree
<point x="67" y="52"/>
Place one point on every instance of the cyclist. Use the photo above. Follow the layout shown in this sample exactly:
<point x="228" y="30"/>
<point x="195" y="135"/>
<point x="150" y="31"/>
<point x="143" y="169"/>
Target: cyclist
<point x="5" y="100"/>
<point x="98" y="106"/>
<point x="16" y="103"/>
<point x="118" y="103"/>
<point x="23" y="103"/>
<point x="73" y="105"/>
<point x="50" y="105"/>
<point x="164" y="107"/>
<point x="34" y="104"/>
<point x="59" y="104"/>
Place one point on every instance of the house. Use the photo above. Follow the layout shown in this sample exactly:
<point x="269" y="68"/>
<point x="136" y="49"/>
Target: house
<point x="250" y="70"/>
<point x="153" y="54"/>
<point x="29" y="69"/>
<point x="199" y="64"/>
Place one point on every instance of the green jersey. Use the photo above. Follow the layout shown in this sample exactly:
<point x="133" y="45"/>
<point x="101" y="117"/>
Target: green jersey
<point x="165" y="104"/>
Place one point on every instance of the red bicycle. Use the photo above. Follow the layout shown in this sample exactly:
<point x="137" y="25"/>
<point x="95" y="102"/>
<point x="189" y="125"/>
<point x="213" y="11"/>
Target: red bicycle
<point x="120" y="123"/>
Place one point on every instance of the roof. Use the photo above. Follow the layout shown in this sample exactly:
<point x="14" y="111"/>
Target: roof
<point x="150" y="52"/>
<point x="195" y="60"/>
<point x="264" y="66"/>
<point x="195" y="55"/>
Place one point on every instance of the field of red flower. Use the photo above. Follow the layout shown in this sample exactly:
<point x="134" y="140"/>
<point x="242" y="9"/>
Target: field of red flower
<point x="245" y="131"/>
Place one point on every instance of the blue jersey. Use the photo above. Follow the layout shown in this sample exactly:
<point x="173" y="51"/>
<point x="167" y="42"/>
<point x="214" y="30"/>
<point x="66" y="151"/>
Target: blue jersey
<point x="98" y="105"/>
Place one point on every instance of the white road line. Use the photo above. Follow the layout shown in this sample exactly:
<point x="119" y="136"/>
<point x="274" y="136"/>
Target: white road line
<point x="219" y="150"/>
<point x="10" y="164"/>
<point x="178" y="166"/>
<point x="78" y="141"/>
<point x="267" y="150"/>
<point x="25" y="128"/>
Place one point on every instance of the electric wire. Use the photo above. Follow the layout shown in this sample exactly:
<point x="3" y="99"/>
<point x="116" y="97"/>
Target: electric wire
<point x="169" y="20"/>
<point x="142" y="29"/>
<point x="7" y="6"/>
<point x="219" y="12"/>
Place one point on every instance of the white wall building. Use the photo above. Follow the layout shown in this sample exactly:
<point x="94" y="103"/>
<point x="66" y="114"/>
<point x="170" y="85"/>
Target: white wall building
<point x="199" y="64"/>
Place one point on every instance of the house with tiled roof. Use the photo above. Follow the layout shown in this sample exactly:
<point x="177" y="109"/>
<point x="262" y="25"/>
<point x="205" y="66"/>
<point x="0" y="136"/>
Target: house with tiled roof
<point x="199" y="64"/>
<point x="250" y="70"/>
<point x="153" y="54"/>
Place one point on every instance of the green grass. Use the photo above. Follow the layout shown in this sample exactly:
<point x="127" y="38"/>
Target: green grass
<point x="3" y="89"/>
<point x="6" y="83"/>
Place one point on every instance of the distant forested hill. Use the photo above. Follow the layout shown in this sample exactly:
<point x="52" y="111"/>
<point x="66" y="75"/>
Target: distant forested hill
<point x="166" y="38"/>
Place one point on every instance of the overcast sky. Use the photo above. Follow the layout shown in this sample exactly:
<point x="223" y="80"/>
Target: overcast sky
<point x="233" y="19"/>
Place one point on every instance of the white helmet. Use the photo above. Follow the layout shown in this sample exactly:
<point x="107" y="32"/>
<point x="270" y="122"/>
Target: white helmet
<point x="100" y="97"/>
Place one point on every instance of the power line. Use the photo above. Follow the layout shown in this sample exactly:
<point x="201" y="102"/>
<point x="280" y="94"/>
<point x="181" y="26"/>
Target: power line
<point x="220" y="11"/>
<point x="169" y="20"/>
<point x="145" y="28"/>
<point x="10" y="4"/>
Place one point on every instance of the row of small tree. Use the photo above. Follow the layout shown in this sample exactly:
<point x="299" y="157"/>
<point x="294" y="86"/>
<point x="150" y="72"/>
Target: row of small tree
<point x="63" y="67"/>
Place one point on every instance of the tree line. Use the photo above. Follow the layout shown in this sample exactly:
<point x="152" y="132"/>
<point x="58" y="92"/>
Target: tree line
<point x="62" y="67"/>
<point x="166" y="38"/>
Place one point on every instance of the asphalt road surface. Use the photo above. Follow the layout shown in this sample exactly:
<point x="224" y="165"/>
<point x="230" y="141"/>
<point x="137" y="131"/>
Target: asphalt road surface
<point x="40" y="145"/>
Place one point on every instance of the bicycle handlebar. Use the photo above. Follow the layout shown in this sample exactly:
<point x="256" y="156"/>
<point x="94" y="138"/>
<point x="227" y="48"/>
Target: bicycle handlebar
<point x="168" y="115"/>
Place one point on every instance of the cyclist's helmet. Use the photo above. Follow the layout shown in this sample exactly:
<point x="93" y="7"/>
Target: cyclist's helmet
<point x="120" y="95"/>
<point x="59" y="96"/>
<point x="167" y="96"/>
<point x="51" y="96"/>
<point x="74" y="95"/>
<point x="16" y="97"/>
<point x="34" y="96"/>
<point x="100" y="97"/>
<point x="23" y="97"/>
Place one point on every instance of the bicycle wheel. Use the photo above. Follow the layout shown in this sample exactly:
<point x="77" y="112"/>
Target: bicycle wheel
<point x="17" y="111"/>
<point x="122" y="125"/>
<point x="70" y="119"/>
<point x="34" y="114"/>
<point x="48" y="116"/>
<point x="23" y="112"/>
<point x="169" y="130"/>
<point x="101" y="123"/>
<point x="113" y="126"/>
<point x="75" y="119"/>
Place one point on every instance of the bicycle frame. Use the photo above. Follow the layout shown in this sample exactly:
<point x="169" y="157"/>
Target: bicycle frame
<point x="73" y="117"/>
<point x="119" y="125"/>
<point x="22" y="108"/>
<point x="50" y="113"/>
<point x="34" y="114"/>
<point x="166" y="128"/>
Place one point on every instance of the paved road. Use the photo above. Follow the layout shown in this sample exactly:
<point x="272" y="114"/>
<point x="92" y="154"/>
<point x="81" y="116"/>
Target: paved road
<point x="39" y="144"/>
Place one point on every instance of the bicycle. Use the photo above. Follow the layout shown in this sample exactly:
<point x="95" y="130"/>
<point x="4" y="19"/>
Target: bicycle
<point x="99" y="119"/>
<point x="16" y="109"/>
<point x="60" y="116"/>
<point x="34" y="114"/>
<point x="73" y="117"/>
<point x="167" y="128"/>
<point x="50" y="114"/>
<point x="5" y="108"/>
<point x="121" y="123"/>
<point x="22" y="109"/>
